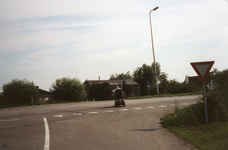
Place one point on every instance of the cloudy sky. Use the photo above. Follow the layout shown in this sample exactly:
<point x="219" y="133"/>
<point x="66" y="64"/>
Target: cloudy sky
<point x="44" y="40"/>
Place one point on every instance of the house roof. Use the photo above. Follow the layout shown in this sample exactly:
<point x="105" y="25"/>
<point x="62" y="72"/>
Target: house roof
<point x="196" y="80"/>
<point x="43" y="91"/>
<point x="112" y="82"/>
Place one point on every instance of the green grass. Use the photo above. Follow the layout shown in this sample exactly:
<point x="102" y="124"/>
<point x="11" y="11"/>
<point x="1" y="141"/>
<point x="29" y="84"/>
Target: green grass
<point x="206" y="137"/>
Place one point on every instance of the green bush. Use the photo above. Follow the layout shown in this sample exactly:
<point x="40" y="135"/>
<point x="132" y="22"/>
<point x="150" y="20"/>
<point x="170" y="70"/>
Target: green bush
<point x="19" y="92"/>
<point x="175" y="87"/>
<point x="187" y="116"/>
<point x="67" y="90"/>
<point x="217" y="98"/>
<point x="217" y="106"/>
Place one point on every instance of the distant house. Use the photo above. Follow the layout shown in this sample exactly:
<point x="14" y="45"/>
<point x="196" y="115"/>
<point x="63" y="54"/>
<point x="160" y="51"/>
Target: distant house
<point x="113" y="83"/>
<point x="197" y="81"/>
<point x="194" y="79"/>
<point x="44" y="95"/>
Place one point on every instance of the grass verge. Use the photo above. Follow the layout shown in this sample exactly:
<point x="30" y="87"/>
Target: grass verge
<point x="206" y="137"/>
<point x="189" y="124"/>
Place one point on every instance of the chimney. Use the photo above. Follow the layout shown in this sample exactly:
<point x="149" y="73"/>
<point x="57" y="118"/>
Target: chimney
<point x="99" y="78"/>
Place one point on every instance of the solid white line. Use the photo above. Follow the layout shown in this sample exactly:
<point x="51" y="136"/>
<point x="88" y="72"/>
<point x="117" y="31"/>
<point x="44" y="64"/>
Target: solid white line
<point x="8" y="120"/>
<point x="47" y="137"/>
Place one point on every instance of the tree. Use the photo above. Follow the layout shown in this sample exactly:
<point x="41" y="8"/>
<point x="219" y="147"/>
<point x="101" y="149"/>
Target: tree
<point x="143" y="74"/>
<point x="121" y="76"/>
<point x="163" y="78"/>
<point x="68" y="89"/>
<point x="19" y="92"/>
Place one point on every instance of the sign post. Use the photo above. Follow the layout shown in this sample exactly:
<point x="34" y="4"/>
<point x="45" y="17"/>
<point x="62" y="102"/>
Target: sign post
<point x="148" y="86"/>
<point x="202" y="69"/>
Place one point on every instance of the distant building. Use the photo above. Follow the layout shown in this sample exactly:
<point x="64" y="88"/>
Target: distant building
<point x="44" y="95"/>
<point x="197" y="81"/>
<point x="114" y="83"/>
<point x="194" y="79"/>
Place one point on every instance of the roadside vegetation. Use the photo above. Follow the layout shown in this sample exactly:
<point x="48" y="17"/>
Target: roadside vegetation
<point x="19" y="92"/>
<point x="189" y="122"/>
<point x="24" y="93"/>
<point x="68" y="89"/>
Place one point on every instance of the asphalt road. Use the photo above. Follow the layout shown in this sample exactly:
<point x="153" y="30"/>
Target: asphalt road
<point x="91" y="126"/>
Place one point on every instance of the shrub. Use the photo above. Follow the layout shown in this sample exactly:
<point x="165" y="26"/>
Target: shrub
<point x="68" y="89"/>
<point x="187" y="116"/>
<point x="19" y="92"/>
<point x="217" y="98"/>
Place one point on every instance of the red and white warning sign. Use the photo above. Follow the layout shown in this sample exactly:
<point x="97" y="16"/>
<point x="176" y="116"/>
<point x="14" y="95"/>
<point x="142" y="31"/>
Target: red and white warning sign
<point x="202" y="68"/>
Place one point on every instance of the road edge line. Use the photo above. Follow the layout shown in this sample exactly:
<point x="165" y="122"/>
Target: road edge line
<point x="47" y="137"/>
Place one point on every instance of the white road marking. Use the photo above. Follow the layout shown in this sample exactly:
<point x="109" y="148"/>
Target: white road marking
<point x="124" y="109"/>
<point x="109" y="111"/>
<point x="8" y="120"/>
<point x="58" y="116"/>
<point x="137" y="108"/>
<point x="76" y="114"/>
<point x="47" y="136"/>
<point x="162" y="106"/>
<point x="93" y="112"/>
<point x="150" y="107"/>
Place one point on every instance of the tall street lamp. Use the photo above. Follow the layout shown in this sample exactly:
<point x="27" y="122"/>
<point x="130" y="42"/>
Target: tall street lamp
<point x="156" y="75"/>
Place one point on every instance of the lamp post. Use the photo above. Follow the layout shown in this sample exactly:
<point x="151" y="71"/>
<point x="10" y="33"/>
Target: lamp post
<point x="156" y="77"/>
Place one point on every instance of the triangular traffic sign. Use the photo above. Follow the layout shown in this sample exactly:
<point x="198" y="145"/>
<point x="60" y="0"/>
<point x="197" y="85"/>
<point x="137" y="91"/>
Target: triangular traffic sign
<point x="202" y="68"/>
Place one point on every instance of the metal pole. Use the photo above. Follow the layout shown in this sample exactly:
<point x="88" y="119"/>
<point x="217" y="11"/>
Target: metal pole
<point x="153" y="49"/>
<point x="205" y="102"/>
<point x="32" y="94"/>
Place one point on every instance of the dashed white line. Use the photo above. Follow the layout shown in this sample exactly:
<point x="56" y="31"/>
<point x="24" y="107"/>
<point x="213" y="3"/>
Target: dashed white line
<point x="162" y="106"/>
<point x="150" y="107"/>
<point x="124" y="109"/>
<point x="138" y="108"/>
<point x="58" y="116"/>
<point x="47" y="137"/>
<point x="76" y="114"/>
<point x="93" y="112"/>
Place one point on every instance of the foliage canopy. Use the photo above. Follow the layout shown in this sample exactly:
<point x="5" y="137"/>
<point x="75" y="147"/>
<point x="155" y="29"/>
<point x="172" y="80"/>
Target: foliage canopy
<point x="19" y="92"/>
<point x="68" y="89"/>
